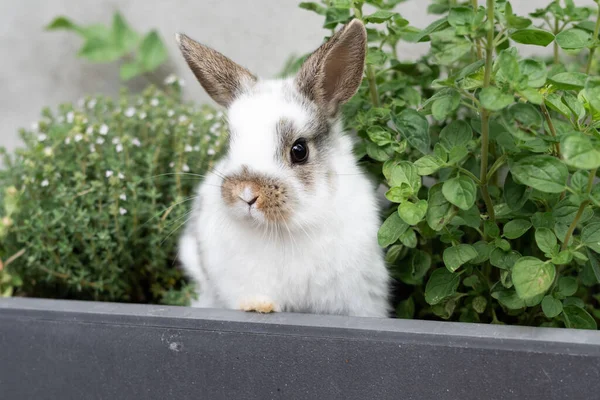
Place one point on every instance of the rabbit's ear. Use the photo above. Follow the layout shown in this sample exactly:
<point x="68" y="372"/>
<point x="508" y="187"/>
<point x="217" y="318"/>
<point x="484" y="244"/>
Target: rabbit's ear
<point x="332" y="74"/>
<point x="222" y="79"/>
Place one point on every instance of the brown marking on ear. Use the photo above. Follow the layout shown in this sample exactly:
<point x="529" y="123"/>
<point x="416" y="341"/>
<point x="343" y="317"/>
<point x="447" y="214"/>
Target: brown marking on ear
<point x="273" y="197"/>
<point x="332" y="74"/>
<point x="222" y="79"/>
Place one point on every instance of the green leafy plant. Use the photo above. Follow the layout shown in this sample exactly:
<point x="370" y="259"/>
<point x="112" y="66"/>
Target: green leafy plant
<point x="103" y="44"/>
<point x="99" y="193"/>
<point x="490" y="159"/>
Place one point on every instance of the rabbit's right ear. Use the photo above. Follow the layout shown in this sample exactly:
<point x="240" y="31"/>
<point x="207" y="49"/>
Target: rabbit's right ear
<point x="222" y="79"/>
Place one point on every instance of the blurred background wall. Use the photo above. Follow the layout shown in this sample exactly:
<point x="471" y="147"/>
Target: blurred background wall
<point x="39" y="68"/>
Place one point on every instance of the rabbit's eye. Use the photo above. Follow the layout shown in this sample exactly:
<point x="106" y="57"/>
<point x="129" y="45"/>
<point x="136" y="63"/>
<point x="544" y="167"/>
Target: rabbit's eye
<point x="299" y="151"/>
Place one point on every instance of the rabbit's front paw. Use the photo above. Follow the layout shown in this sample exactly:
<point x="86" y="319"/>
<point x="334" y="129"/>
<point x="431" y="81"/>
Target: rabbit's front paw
<point x="258" y="304"/>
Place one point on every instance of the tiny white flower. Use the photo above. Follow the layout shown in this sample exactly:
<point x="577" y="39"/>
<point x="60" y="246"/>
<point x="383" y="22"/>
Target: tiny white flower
<point x="142" y="115"/>
<point x="70" y="117"/>
<point x="100" y="140"/>
<point x="103" y="129"/>
<point x="136" y="142"/>
<point x="122" y="211"/>
<point x="182" y="118"/>
<point x="48" y="151"/>
<point x="171" y="164"/>
<point x="188" y="148"/>
<point x="116" y="140"/>
<point x="35" y="126"/>
<point x="219" y="114"/>
<point x="154" y="102"/>
<point x="196" y="148"/>
<point x="213" y="129"/>
<point x="121" y="176"/>
<point x="119" y="148"/>
<point x="209" y="117"/>
<point x="181" y="83"/>
<point x="140" y="102"/>
<point x="91" y="104"/>
<point x="123" y="197"/>
<point x="89" y="130"/>
<point x="92" y="148"/>
<point x="41" y="137"/>
<point x="170" y="113"/>
<point x="78" y="137"/>
<point x="130" y="112"/>
<point x="185" y="168"/>
<point x="217" y="143"/>
<point x="44" y="183"/>
<point x="191" y="127"/>
<point x="211" y="152"/>
<point x="68" y="140"/>
<point x="109" y="173"/>
<point x="169" y="80"/>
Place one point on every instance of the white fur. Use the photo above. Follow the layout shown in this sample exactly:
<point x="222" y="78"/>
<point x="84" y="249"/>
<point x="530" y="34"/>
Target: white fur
<point x="325" y="259"/>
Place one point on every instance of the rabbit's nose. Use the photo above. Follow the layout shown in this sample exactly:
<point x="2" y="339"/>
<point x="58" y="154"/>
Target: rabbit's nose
<point x="248" y="196"/>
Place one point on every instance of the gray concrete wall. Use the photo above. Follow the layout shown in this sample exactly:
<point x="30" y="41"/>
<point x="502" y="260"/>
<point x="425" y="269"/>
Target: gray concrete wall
<point x="39" y="68"/>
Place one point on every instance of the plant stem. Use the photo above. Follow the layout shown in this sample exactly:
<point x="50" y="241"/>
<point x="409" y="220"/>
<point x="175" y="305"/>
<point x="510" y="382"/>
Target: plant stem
<point x="485" y="114"/>
<point x="475" y="6"/>
<point x="556" y="29"/>
<point x="551" y="127"/>
<point x="370" y="72"/>
<point x="593" y="49"/>
<point x="582" y="207"/>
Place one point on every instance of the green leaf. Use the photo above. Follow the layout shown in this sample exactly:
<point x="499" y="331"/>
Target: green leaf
<point x="399" y="172"/>
<point x="409" y="239"/>
<point x="124" y="37"/>
<point x="456" y="134"/>
<point x="444" y="106"/>
<point x="435" y="26"/>
<point x="130" y="70"/>
<point x="439" y="209"/>
<point x="551" y="307"/>
<point x="574" y="104"/>
<point x="152" y="52"/>
<point x="460" y="191"/>
<point x="311" y="6"/>
<point x="335" y="16"/>
<point x="379" y="135"/>
<point x="491" y="229"/>
<point x="592" y="92"/>
<point x="428" y="164"/>
<point x="516" y="228"/>
<point x="391" y="230"/>
<point x="412" y="273"/>
<point x="594" y="263"/>
<point x="569" y="80"/>
<point x="590" y="236"/>
<point x="406" y="309"/>
<point x="509" y="299"/>
<point x="554" y="101"/>
<point x="457" y="154"/>
<point x="535" y="71"/>
<point x="533" y="36"/>
<point x="573" y="39"/>
<point x="515" y="195"/>
<point x="578" y="318"/>
<point x="484" y="249"/>
<point x="380" y="16"/>
<point x="479" y="304"/>
<point x="461" y="16"/>
<point x="546" y="240"/>
<point x="63" y="23"/>
<point x="379" y="153"/>
<point x="579" y="151"/>
<point x="375" y="57"/>
<point x="455" y="256"/>
<point x="441" y="285"/>
<point x="504" y="259"/>
<point x="542" y="172"/>
<point x="412" y="213"/>
<point x="414" y="128"/>
<point x="567" y="286"/>
<point x="532" y="277"/>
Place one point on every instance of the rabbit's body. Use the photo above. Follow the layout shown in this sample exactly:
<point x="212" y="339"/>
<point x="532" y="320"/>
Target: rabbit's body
<point x="275" y="229"/>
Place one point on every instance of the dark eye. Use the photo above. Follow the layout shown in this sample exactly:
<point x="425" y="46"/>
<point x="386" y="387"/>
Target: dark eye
<point x="299" y="151"/>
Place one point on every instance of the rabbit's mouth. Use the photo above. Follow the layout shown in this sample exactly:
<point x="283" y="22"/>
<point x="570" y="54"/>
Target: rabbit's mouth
<point x="257" y="196"/>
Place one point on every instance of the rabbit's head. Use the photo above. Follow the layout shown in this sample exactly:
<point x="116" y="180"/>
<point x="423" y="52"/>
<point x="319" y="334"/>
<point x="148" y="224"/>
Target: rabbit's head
<point x="285" y="136"/>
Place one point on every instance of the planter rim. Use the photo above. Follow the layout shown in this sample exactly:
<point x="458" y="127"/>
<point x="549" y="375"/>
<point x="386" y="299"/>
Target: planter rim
<point x="141" y="313"/>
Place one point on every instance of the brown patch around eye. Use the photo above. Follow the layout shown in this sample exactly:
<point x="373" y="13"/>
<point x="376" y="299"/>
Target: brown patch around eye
<point x="272" y="197"/>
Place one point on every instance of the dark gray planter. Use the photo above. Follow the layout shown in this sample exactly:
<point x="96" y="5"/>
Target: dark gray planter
<point x="86" y="350"/>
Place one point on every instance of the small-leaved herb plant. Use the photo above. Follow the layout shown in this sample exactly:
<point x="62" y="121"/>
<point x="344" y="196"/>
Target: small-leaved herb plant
<point x="92" y="206"/>
<point x="490" y="158"/>
<point x="141" y="55"/>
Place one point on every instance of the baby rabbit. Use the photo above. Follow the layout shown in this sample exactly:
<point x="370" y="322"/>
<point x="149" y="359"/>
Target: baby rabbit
<point x="286" y="221"/>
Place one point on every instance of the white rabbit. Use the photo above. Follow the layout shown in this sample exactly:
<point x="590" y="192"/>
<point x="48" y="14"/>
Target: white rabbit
<point x="286" y="221"/>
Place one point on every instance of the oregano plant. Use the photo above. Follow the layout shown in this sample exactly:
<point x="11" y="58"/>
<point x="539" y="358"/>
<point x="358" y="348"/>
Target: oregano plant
<point x="489" y="158"/>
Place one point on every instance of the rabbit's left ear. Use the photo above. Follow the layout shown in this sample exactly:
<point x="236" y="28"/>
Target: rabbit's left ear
<point x="332" y="74"/>
<point x="222" y="79"/>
